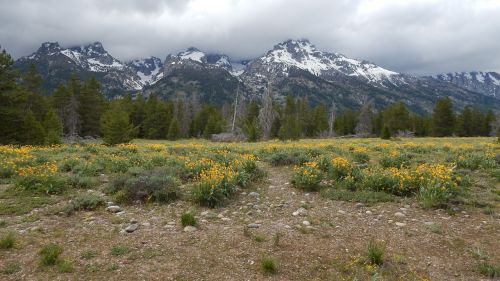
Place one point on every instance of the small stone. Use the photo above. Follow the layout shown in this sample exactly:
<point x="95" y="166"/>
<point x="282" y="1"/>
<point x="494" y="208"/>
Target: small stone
<point x="390" y="221"/>
<point x="169" y="226"/>
<point x="249" y="213"/>
<point x="359" y="205"/>
<point x="110" y="203"/>
<point x="131" y="228"/>
<point x="225" y="219"/>
<point x="300" y="212"/>
<point x="220" y="216"/>
<point x="306" y="223"/>
<point x="190" y="228"/>
<point x="399" y="215"/>
<point x="113" y="209"/>
<point x="146" y="224"/>
<point x="171" y="223"/>
<point x="253" y="225"/>
<point x="134" y="221"/>
<point x="341" y="212"/>
<point x="120" y="213"/>
<point x="369" y="212"/>
<point x="253" y="194"/>
<point x="407" y="206"/>
<point x="428" y="223"/>
<point x="400" y="224"/>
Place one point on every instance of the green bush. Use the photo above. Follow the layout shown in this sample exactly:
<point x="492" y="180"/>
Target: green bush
<point x="145" y="186"/>
<point x="287" y="157"/>
<point x="8" y="241"/>
<point x="188" y="219"/>
<point x="49" y="254"/>
<point x="395" y="161"/>
<point x="205" y="194"/>
<point x="81" y="182"/>
<point x="380" y="181"/>
<point x="307" y="177"/>
<point x="375" y="253"/>
<point x="87" y="202"/>
<point x="489" y="270"/>
<point x="10" y="268"/>
<point x="432" y="195"/>
<point x="65" y="266"/>
<point x="475" y="161"/>
<point x="52" y="184"/>
<point x="268" y="265"/>
<point x="360" y="157"/>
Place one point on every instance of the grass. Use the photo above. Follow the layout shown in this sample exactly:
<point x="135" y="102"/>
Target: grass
<point x="65" y="266"/>
<point x="268" y="265"/>
<point x="489" y="270"/>
<point x="120" y="250"/>
<point x="3" y="223"/>
<point x="49" y="254"/>
<point x="375" y="253"/>
<point x="20" y="204"/>
<point x="436" y="228"/>
<point x="259" y="238"/>
<point x="188" y="219"/>
<point x="10" y="268"/>
<point x="8" y="241"/>
<point x="89" y="254"/>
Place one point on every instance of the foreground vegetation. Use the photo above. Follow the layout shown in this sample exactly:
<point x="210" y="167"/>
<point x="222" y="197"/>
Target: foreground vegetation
<point x="70" y="178"/>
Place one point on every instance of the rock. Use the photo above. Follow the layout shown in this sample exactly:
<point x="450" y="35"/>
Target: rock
<point x="190" y="228"/>
<point x="120" y="213"/>
<point x="253" y="194"/>
<point x="300" y="212"/>
<point x="225" y="219"/>
<point x="359" y="205"/>
<point x="103" y="178"/>
<point x="306" y="223"/>
<point x="428" y="223"/>
<point x="146" y="224"/>
<point x="407" y="206"/>
<point x="169" y="226"/>
<point x="253" y="225"/>
<point x="220" y="216"/>
<point x="110" y="203"/>
<point x="113" y="209"/>
<point x="134" y="221"/>
<point x="341" y="212"/>
<point x="369" y="212"/>
<point x="400" y="224"/>
<point x="131" y="227"/>
<point x="399" y="215"/>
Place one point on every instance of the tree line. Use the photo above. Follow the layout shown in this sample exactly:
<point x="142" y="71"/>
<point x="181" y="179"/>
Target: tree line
<point x="78" y="109"/>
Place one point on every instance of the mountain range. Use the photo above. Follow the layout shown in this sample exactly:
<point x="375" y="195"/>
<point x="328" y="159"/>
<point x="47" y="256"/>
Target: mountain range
<point x="293" y="67"/>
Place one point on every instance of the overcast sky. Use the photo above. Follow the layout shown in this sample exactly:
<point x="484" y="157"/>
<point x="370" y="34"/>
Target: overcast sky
<point x="413" y="36"/>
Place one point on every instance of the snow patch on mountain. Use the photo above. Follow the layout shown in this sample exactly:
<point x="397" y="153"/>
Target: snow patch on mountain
<point x="303" y="55"/>
<point x="487" y="83"/>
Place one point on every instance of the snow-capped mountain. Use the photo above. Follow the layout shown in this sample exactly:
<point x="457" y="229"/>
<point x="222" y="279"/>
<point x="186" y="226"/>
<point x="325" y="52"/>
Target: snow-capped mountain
<point x="487" y="83"/>
<point x="149" y="70"/>
<point x="294" y="67"/>
<point x="301" y="54"/>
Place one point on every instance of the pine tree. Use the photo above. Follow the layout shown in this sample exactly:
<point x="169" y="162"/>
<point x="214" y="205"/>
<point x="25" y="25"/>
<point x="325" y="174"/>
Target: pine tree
<point x="386" y="133"/>
<point x="464" y="123"/>
<point x="250" y="122"/>
<point x="116" y="126"/>
<point x="290" y="127"/>
<point x="396" y="117"/>
<point x="320" y="120"/>
<point x="90" y="107"/>
<point x="443" y="118"/>
<point x="174" y="130"/>
<point x="53" y="127"/>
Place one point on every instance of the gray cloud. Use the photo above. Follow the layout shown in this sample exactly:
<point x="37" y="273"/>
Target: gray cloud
<point x="414" y="36"/>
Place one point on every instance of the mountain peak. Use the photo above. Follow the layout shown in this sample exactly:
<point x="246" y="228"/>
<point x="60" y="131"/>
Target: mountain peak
<point x="49" y="47"/>
<point x="193" y="54"/>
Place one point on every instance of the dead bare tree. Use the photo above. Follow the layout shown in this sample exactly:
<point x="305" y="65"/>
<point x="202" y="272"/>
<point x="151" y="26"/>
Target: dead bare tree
<point x="267" y="115"/>
<point x="72" y="120"/>
<point x="331" y="121"/>
<point x="364" y="127"/>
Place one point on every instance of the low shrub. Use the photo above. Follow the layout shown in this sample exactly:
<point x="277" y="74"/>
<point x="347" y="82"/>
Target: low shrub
<point x="52" y="184"/>
<point x="307" y="177"/>
<point x="475" y="161"/>
<point x="395" y="160"/>
<point x="10" y="268"/>
<point x="375" y="253"/>
<point x="489" y="270"/>
<point x="188" y="219"/>
<point x="340" y="168"/>
<point x="87" y="202"/>
<point x="287" y="157"/>
<point x="268" y="265"/>
<point x="49" y="254"/>
<point x="81" y="182"/>
<point x="8" y="241"/>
